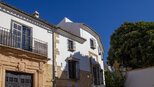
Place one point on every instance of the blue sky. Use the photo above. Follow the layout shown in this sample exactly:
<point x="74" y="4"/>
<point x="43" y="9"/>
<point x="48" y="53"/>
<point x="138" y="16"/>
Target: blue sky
<point x="104" y="16"/>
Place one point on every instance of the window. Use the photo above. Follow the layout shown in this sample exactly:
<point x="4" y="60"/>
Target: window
<point x="101" y="77"/>
<point x="102" y="58"/>
<point x="99" y="50"/>
<point x="17" y="34"/>
<point x="92" y="43"/>
<point x="71" y="45"/>
<point x="73" y="68"/>
<point x="40" y="47"/>
<point x="96" y="75"/>
<point x="26" y="37"/>
<point x="22" y="36"/>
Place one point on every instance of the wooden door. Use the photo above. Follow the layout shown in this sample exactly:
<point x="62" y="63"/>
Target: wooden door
<point x="15" y="79"/>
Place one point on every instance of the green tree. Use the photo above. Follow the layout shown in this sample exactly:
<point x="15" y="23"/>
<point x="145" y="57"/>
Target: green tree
<point x="132" y="44"/>
<point x="114" y="79"/>
<point x="108" y="79"/>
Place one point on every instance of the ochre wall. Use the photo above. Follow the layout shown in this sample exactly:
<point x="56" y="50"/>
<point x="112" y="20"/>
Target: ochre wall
<point x="47" y="75"/>
<point x="17" y="60"/>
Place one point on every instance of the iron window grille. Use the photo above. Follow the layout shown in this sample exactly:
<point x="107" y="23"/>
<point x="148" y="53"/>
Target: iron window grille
<point x="14" y="38"/>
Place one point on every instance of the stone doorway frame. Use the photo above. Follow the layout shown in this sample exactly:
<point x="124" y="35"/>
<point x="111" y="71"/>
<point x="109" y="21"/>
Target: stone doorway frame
<point x="16" y="60"/>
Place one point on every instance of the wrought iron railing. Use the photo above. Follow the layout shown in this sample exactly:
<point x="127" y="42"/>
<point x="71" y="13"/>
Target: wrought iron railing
<point x="24" y="42"/>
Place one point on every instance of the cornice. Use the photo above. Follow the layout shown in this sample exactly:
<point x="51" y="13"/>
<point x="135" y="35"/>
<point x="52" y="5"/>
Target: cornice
<point x="37" y="21"/>
<point x="25" y="16"/>
<point x="70" y="35"/>
<point x="96" y="34"/>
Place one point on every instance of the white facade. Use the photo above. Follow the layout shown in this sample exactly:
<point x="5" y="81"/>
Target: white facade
<point x="77" y="32"/>
<point x="82" y="49"/>
<point x="38" y="32"/>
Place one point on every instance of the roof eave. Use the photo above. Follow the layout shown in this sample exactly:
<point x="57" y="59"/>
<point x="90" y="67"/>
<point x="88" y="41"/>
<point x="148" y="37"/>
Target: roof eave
<point x="95" y="33"/>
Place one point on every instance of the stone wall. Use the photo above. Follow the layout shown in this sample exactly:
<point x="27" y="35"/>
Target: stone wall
<point x="47" y="75"/>
<point x="17" y="60"/>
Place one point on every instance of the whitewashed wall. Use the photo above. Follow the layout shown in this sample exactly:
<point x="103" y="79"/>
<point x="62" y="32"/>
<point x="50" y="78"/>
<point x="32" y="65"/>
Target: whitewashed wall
<point x="140" y="78"/>
<point x="88" y="36"/>
<point x="37" y="32"/>
<point x="84" y="48"/>
<point x="81" y="52"/>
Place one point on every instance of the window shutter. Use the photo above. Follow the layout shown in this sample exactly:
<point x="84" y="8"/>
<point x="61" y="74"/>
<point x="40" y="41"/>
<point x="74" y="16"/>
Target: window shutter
<point x="68" y="44"/>
<point x="101" y="77"/>
<point x="102" y="58"/>
<point x="74" y="45"/>
<point x="94" y="43"/>
<point x="94" y="76"/>
<point x="69" y="69"/>
<point x="77" y="70"/>
<point x="99" y="50"/>
<point x="98" y="71"/>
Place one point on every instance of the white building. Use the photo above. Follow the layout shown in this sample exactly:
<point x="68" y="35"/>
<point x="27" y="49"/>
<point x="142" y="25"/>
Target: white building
<point x="29" y="46"/>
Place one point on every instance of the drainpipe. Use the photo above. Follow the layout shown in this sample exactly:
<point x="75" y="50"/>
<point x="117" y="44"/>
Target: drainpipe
<point x="53" y="59"/>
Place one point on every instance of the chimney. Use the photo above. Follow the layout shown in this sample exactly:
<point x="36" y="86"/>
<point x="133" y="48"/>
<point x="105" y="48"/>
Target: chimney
<point x="36" y="14"/>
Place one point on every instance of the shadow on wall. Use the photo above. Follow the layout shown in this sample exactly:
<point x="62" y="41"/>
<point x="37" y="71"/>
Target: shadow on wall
<point x="77" y="72"/>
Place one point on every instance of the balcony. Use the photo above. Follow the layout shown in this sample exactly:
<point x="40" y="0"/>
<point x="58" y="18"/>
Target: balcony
<point x="16" y="40"/>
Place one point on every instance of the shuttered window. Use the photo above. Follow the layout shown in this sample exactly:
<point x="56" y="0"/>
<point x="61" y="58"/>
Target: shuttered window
<point x="71" y="45"/>
<point x="73" y="68"/>
<point x="92" y="43"/>
<point x="99" y="50"/>
<point x="96" y="75"/>
<point x="101" y="77"/>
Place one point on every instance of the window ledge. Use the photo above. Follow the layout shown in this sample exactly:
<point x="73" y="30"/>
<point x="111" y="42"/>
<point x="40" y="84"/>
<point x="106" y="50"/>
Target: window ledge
<point x="92" y="47"/>
<point x="100" y="53"/>
<point x="72" y="50"/>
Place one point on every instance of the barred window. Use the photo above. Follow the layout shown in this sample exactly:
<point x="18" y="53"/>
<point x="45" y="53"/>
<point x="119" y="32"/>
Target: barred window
<point x="40" y="47"/>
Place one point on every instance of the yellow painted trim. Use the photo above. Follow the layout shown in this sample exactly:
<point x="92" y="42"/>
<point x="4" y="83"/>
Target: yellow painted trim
<point x="91" y="53"/>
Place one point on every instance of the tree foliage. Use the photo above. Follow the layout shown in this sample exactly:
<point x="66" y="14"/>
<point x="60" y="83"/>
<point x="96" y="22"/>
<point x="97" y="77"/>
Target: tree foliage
<point x="108" y="79"/>
<point x="132" y="44"/>
<point x="114" y="79"/>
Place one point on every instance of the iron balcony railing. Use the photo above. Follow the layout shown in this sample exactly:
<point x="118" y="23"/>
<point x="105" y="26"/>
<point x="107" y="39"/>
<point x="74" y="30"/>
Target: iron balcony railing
<point x="22" y="41"/>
